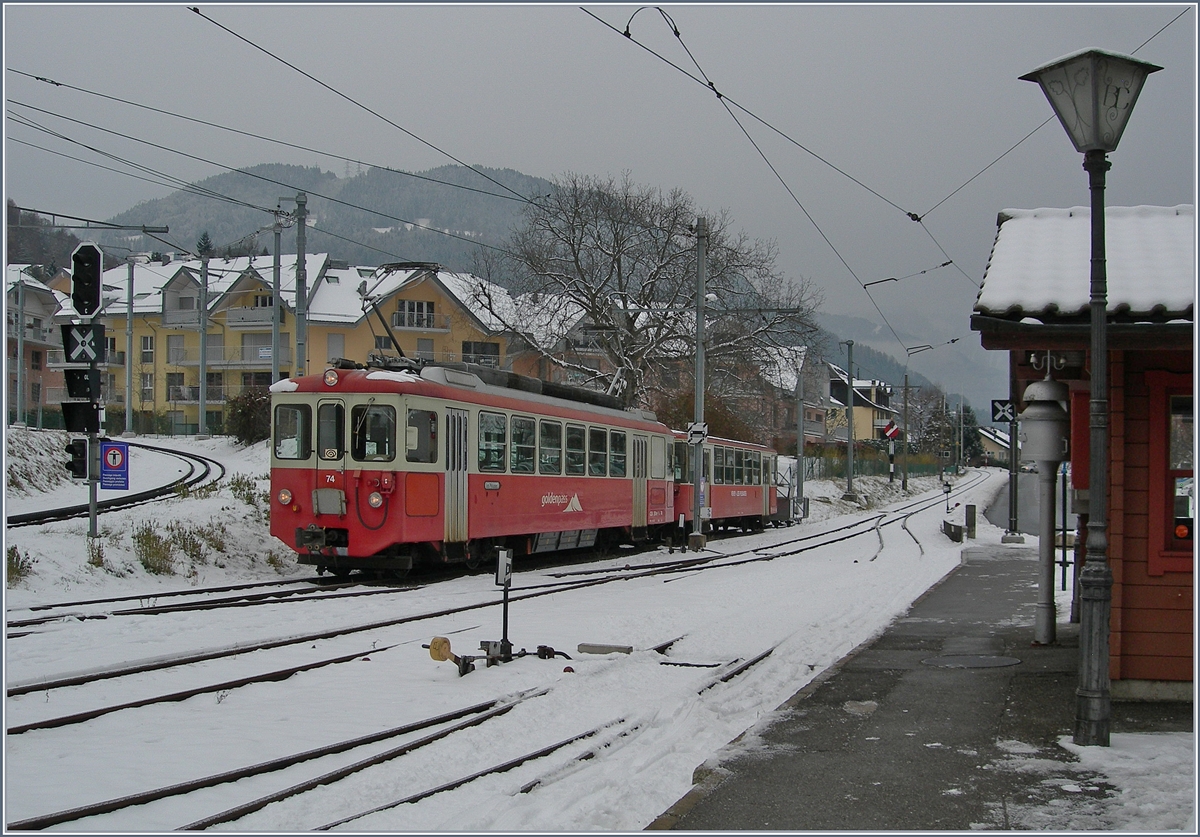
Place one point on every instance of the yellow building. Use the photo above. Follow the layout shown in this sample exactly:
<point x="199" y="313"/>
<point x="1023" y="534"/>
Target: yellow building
<point x="429" y="313"/>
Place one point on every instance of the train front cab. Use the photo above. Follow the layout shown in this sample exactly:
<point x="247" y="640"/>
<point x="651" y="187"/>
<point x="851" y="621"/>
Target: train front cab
<point x="344" y="494"/>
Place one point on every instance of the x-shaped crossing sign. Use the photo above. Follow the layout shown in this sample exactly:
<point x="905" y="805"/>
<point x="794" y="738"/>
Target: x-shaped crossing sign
<point x="84" y="343"/>
<point x="1003" y="411"/>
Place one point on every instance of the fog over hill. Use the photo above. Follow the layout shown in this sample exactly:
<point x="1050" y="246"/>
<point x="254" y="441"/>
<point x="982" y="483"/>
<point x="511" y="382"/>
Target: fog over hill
<point x="236" y="206"/>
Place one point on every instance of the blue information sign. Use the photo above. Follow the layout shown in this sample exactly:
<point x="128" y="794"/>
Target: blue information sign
<point x="114" y="465"/>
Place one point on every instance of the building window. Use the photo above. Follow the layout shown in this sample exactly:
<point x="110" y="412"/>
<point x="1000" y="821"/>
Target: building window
<point x="1181" y="483"/>
<point x="175" y="351"/>
<point x="425" y="348"/>
<point x="147" y="385"/>
<point x="485" y="354"/>
<point x="148" y="348"/>
<point x="175" y="388"/>
<point x="1172" y="485"/>
<point x="413" y="314"/>
<point x="264" y="301"/>
<point x="35" y="393"/>
<point x="382" y="343"/>
<point x="35" y="360"/>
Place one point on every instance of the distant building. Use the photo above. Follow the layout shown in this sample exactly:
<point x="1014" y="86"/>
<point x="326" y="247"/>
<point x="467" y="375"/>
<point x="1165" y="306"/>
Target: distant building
<point x="872" y="406"/>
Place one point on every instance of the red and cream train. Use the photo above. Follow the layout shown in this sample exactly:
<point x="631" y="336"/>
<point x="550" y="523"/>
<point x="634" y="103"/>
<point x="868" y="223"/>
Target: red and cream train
<point x="382" y="467"/>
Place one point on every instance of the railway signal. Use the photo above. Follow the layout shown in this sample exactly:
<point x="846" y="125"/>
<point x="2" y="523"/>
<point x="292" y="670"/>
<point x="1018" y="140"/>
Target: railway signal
<point x="87" y="267"/>
<point x="78" y="464"/>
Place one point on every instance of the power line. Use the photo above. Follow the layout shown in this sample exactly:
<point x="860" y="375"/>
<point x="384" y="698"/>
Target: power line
<point x="264" y="138"/>
<point x="246" y="173"/>
<point x="357" y="103"/>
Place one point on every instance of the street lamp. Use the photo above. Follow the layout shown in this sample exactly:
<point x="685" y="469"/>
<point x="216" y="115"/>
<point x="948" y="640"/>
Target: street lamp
<point x="1092" y="93"/>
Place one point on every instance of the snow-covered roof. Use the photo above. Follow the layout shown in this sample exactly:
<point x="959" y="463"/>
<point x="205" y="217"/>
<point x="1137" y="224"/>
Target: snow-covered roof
<point x="1040" y="265"/>
<point x="998" y="437"/>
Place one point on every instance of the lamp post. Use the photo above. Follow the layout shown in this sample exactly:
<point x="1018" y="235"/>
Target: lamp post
<point x="1093" y="93"/>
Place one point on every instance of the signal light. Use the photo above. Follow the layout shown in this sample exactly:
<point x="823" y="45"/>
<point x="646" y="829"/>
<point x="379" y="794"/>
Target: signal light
<point x="78" y="466"/>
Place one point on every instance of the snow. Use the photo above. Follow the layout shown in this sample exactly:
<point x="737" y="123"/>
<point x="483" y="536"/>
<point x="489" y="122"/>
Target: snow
<point x="656" y="723"/>
<point x="1040" y="261"/>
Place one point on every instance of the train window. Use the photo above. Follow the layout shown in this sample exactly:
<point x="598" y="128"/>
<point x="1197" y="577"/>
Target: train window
<point x="719" y="464"/>
<point x="331" y="430"/>
<point x="373" y="433"/>
<point x="658" y="458"/>
<point x="551" y="448"/>
<point x="683" y="462"/>
<point x="756" y="465"/>
<point x="729" y="466"/>
<point x="575" y="451"/>
<point x="492" y="442"/>
<point x="597" y="451"/>
<point x="420" y="443"/>
<point x="616" y="448"/>
<point x="524" y="445"/>
<point x="707" y="476"/>
<point x="739" y="467"/>
<point x="293" y="439"/>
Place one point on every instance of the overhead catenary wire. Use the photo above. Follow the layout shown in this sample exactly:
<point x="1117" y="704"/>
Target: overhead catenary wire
<point x="257" y="176"/>
<point x="356" y="103"/>
<point x="253" y="135"/>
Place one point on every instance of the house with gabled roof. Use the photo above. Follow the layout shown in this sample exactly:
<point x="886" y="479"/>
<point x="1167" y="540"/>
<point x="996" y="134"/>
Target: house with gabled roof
<point x="430" y="312"/>
<point x="872" y="406"/>
<point x="1034" y="304"/>
<point x="29" y="345"/>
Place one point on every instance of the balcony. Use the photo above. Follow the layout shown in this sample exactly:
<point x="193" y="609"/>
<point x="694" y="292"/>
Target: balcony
<point x="181" y="318"/>
<point x="191" y="394"/>
<point x="51" y="336"/>
<point x="411" y="321"/>
<point x="57" y="395"/>
<point x="248" y="317"/>
<point x="57" y="359"/>
<point x="226" y="357"/>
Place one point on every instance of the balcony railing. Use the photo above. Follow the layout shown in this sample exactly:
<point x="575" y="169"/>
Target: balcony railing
<point x="57" y="359"/>
<point x="180" y="318"/>
<point x="56" y="395"/>
<point x="36" y="334"/>
<point x="420" y="321"/>
<point x="248" y="316"/>
<point x="229" y="357"/>
<point x="191" y="394"/>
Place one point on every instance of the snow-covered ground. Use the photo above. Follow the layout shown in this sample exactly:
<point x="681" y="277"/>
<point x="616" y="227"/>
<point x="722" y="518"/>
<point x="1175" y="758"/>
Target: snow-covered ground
<point x="658" y="725"/>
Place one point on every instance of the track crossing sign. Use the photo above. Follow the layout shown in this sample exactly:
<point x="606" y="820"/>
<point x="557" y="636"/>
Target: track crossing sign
<point x="84" y="343"/>
<point x="697" y="432"/>
<point x="114" y="465"/>
<point x="892" y="430"/>
<point x="1003" y="411"/>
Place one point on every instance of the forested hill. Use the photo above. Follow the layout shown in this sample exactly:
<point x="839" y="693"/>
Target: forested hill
<point x="370" y="218"/>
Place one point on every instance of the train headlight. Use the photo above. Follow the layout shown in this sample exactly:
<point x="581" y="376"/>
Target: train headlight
<point x="331" y="377"/>
<point x="375" y="500"/>
<point x="285" y="497"/>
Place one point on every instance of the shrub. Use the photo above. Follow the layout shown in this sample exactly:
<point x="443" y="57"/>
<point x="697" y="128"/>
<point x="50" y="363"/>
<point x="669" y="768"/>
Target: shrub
<point x="153" y="551"/>
<point x="245" y="488"/>
<point x="95" y="551"/>
<point x="19" y="566"/>
<point x="249" y="415"/>
<point x="186" y="541"/>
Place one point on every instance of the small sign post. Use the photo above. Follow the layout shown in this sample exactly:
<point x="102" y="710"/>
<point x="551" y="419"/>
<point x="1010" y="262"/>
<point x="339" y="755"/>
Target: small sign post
<point x="114" y="465"/>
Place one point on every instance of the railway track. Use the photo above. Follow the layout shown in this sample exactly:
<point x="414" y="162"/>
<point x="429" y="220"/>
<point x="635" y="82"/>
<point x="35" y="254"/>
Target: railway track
<point x="201" y="471"/>
<point x="561" y="582"/>
<point x="443" y="726"/>
<point x="581" y="579"/>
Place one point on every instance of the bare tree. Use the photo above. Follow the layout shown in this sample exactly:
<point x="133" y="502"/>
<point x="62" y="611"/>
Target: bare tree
<point x="609" y="266"/>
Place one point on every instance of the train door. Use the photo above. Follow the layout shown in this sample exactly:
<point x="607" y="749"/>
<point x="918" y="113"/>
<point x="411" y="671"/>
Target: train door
<point x="329" y="494"/>
<point x="639" y="482"/>
<point x="456" y="476"/>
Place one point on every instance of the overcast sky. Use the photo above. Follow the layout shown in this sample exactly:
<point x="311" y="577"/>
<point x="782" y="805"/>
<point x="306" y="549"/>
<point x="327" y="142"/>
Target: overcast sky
<point x="910" y="101"/>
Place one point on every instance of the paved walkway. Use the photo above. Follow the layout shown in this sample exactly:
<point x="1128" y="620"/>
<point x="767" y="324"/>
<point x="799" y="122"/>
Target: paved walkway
<point x="923" y="727"/>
